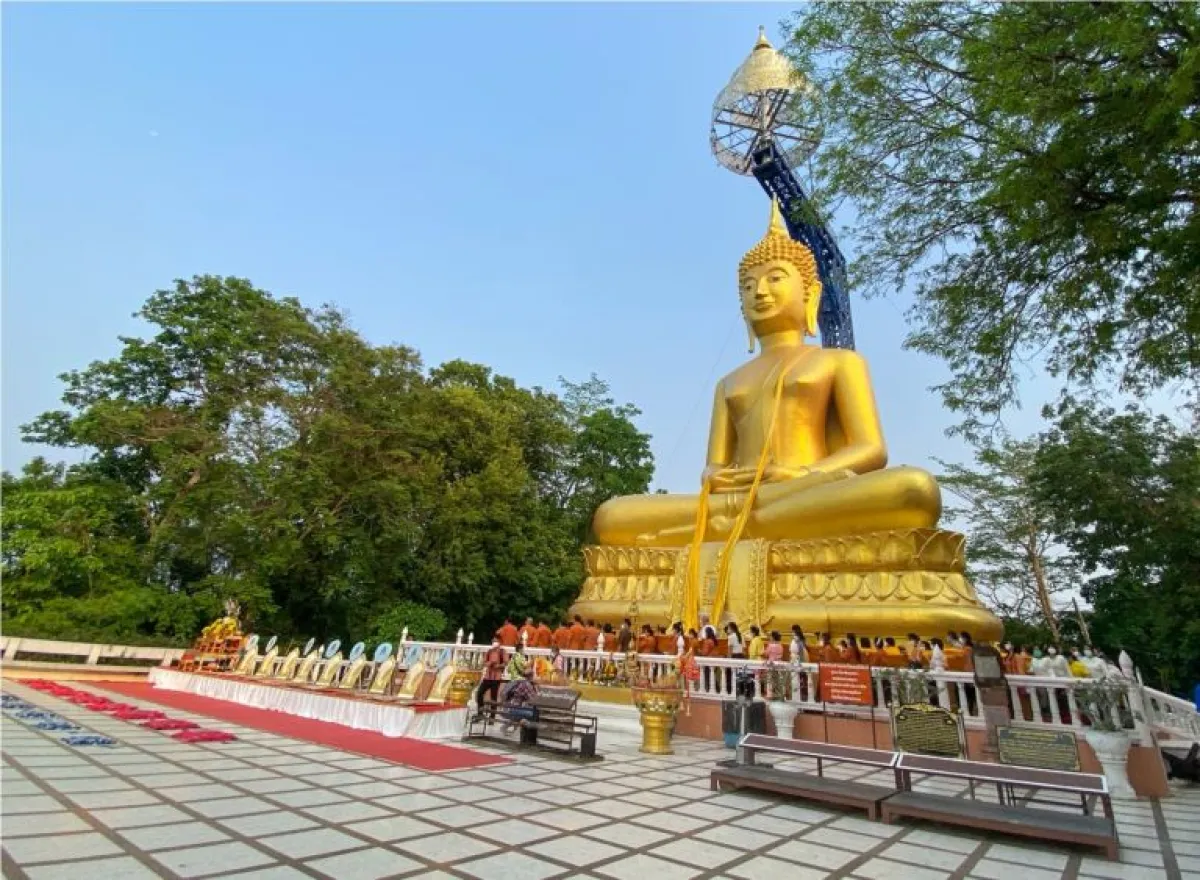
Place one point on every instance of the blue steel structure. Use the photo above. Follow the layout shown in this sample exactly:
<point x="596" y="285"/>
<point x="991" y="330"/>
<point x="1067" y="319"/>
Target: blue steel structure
<point x="772" y="171"/>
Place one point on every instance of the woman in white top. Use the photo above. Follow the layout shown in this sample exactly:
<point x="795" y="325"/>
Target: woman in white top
<point x="937" y="656"/>
<point x="736" y="650"/>
<point x="798" y="651"/>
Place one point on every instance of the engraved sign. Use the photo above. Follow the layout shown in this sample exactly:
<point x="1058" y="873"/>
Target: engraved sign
<point x="989" y="671"/>
<point x="1044" y="749"/>
<point x="850" y="685"/>
<point x="923" y="729"/>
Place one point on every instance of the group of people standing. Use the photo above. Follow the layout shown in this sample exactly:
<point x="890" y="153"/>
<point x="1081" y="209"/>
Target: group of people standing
<point x="953" y="653"/>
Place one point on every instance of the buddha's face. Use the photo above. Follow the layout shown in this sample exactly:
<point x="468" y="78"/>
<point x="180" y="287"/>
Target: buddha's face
<point x="774" y="297"/>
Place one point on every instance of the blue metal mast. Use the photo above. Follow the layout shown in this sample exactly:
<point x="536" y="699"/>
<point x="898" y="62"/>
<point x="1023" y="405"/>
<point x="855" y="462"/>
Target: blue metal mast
<point x="773" y="173"/>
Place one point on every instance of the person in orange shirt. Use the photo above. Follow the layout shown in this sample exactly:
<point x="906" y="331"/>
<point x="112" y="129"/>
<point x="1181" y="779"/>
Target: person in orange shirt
<point x="866" y="652"/>
<point x="528" y="634"/>
<point x="544" y="638"/>
<point x="852" y="654"/>
<point x="578" y="634"/>
<point x="562" y="636"/>
<point x="610" y="639"/>
<point x="647" y="643"/>
<point x="827" y="652"/>
<point x="507" y="634"/>
<point x="591" y="636"/>
<point x="707" y="646"/>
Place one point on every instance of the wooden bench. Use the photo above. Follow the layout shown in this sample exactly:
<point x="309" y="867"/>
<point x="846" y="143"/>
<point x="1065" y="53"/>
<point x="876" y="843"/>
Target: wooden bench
<point x="558" y="722"/>
<point x="745" y="774"/>
<point x="1009" y="815"/>
<point x="555" y="721"/>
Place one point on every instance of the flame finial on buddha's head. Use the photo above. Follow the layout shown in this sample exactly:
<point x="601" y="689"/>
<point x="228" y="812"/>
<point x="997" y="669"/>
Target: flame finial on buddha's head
<point x="778" y="244"/>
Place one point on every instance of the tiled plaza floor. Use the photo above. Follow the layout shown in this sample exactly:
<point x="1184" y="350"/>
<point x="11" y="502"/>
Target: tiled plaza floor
<point x="272" y="808"/>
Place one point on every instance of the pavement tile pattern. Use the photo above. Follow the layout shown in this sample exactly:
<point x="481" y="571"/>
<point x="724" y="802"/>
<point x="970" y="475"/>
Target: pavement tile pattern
<point x="270" y="808"/>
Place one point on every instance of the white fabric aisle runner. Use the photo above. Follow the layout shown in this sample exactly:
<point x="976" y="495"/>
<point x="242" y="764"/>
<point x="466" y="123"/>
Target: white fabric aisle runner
<point x="387" y="718"/>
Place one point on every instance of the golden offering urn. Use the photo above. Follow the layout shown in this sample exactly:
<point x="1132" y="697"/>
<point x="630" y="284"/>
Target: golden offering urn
<point x="462" y="685"/>
<point x="658" y="703"/>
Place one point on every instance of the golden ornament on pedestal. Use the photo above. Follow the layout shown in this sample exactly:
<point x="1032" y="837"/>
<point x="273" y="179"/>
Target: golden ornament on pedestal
<point x="462" y="685"/>
<point x="798" y="520"/>
<point x="658" y="708"/>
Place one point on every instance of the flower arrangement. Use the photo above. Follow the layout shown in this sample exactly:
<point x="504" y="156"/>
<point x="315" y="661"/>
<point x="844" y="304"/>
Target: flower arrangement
<point x="777" y="680"/>
<point x="1101" y="700"/>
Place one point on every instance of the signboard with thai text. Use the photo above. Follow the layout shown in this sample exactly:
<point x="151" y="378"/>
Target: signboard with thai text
<point x="927" y="730"/>
<point x="850" y="685"/>
<point x="1044" y="749"/>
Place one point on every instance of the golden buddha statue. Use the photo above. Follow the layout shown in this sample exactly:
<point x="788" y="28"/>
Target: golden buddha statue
<point x="798" y="519"/>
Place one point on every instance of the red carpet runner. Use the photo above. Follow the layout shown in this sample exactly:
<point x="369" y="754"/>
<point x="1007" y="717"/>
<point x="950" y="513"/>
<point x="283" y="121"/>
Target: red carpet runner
<point x="417" y="753"/>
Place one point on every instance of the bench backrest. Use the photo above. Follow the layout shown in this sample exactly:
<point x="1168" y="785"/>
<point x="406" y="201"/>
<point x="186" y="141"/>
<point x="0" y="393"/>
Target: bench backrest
<point x="563" y="699"/>
<point x="803" y="748"/>
<point x="982" y="771"/>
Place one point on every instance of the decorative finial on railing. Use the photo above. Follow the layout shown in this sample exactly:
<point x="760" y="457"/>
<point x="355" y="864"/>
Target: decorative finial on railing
<point x="404" y="635"/>
<point x="525" y="638"/>
<point x="459" y="637"/>
<point x="600" y="643"/>
<point x="470" y="638"/>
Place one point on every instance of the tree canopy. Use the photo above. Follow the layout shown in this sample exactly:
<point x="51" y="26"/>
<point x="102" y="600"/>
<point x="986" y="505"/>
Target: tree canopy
<point x="255" y="449"/>
<point x="1122" y="492"/>
<point x="1033" y="169"/>
<point x="1103" y="504"/>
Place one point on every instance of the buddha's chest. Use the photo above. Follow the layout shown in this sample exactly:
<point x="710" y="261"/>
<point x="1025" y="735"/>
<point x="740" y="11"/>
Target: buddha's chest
<point x="753" y="393"/>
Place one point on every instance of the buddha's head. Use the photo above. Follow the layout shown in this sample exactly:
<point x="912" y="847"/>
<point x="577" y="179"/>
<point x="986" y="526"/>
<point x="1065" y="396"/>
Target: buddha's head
<point x="778" y="282"/>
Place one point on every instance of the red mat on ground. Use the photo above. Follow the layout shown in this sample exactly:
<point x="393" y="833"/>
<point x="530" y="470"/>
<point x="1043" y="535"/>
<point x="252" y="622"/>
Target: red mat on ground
<point x="417" y="753"/>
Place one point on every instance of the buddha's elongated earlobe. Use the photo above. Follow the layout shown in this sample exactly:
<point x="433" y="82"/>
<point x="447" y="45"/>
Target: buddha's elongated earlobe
<point x="812" y="307"/>
<point x="751" y="339"/>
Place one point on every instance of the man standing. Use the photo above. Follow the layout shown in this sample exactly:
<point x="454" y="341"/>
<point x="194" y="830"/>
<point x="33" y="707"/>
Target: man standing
<point x="493" y="671"/>
<point x="544" y="638"/>
<point x="625" y="636"/>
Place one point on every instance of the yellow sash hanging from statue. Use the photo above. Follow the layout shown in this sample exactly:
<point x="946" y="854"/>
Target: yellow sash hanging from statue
<point x="691" y="594"/>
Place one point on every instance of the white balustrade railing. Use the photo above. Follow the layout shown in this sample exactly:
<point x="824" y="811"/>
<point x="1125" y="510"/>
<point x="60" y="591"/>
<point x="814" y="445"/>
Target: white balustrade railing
<point x="1171" y="714"/>
<point x="1035" y="700"/>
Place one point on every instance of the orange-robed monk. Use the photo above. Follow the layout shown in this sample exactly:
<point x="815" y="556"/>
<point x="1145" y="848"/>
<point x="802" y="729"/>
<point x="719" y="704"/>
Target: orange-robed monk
<point x="578" y="634"/>
<point x="647" y="643"/>
<point x="508" y="634"/>
<point x="562" y="636"/>
<point x="543" y="638"/>
<point x="591" y="636"/>
<point x="528" y="633"/>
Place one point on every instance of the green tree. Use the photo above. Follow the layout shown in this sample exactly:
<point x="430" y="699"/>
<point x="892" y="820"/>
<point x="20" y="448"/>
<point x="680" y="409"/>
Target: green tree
<point x="1014" y="558"/>
<point x="258" y="450"/>
<point x="1122" y="491"/>
<point x="1033" y="168"/>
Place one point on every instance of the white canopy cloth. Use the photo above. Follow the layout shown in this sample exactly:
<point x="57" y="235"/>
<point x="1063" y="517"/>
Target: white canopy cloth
<point x="390" y="719"/>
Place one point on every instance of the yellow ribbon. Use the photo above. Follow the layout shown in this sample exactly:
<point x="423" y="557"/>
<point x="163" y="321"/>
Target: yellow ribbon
<point x="691" y="595"/>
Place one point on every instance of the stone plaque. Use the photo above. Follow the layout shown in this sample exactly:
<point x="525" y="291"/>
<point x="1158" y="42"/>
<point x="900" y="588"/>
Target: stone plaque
<point x="987" y="666"/>
<point x="1044" y="749"/>
<point x="927" y="730"/>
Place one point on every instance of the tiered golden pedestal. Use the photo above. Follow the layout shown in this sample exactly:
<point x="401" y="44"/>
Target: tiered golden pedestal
<point x="877" y="584"/>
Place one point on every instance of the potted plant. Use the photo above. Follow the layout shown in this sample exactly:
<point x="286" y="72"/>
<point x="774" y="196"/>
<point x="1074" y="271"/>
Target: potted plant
<point x="777" y="681"/>
<point x="1102" y="704"/>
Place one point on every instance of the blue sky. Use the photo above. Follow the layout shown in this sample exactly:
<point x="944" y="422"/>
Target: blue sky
<point x="526" y="186"/>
